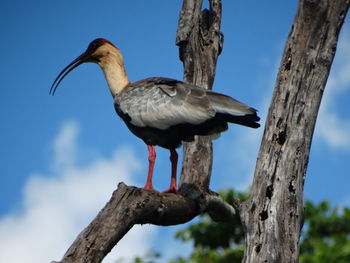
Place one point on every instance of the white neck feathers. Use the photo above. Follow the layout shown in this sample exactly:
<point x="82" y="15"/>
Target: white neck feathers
<point x="112" y="66"/>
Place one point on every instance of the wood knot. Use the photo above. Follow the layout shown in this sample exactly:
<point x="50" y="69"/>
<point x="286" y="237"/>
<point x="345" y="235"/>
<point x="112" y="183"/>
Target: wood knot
<point x="288" y="61"/>
<point x="257" y="248"/>
<point x="263" y="215"/>
<point x="269" y="191"/>
<point x="291" y="187"/>
<point x="281" y="138"/>
<point x="288" y="64"/>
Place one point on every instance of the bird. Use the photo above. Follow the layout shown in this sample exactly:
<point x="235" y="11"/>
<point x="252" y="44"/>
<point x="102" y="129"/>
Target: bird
<point x="162" y="111"/>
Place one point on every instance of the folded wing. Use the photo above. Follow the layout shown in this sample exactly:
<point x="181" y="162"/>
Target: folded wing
<point x="162" y="103"/>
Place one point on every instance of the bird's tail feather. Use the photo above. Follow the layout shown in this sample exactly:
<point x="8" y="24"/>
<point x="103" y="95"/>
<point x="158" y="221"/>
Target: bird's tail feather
<point x="231" y="110"/>
<point x="249" y="120"/>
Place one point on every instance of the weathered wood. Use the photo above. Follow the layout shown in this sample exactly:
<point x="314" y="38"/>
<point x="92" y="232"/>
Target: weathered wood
<point x="200" y="42"/>
<point x="131" y="205"/>
<point x="273" y="215"/>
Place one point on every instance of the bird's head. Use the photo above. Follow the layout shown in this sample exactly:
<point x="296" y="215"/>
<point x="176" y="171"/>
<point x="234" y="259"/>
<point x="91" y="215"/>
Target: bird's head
<point x="99" y="51"/>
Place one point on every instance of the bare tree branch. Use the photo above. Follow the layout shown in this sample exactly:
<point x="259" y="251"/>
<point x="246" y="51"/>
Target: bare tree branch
<point x="131" y="205"/>
<point x="273" y="215"/>
<point x="200" y="42"/>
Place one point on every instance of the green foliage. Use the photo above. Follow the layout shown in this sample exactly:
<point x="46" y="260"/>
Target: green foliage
<point x="327" y="234"/>
<point x="150" y="257"/>
<point x="215" y="242"/>
<point x="201" y="255"/>
<point x="325" y="237"/>
<point x="216" y="236"/>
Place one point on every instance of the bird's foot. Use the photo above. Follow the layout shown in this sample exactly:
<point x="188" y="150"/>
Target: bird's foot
<point x="148" y="186"/>
<point x="171" y="189"/>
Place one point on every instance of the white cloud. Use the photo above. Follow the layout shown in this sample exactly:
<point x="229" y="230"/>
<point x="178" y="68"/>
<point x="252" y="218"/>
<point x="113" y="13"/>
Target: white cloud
<point x="332" y="127"/>
<point x="65" y="145"/>
<point x="56" y="207"/>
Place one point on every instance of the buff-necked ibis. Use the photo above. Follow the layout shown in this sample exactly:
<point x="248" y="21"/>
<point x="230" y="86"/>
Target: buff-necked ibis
<point x="162" y="111"/>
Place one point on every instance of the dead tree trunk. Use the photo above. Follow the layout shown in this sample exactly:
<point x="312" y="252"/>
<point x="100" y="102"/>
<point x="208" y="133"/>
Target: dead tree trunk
<point x="200" y="42"/>
<point x="199" y="39"/>
<point x="273" y="215"/>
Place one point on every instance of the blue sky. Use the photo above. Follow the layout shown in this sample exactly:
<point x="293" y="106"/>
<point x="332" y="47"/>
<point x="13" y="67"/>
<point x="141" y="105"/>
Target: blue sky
<point x="62" y="156"/>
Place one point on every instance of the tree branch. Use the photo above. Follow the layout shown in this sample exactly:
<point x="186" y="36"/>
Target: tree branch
<point x="200" y="43"/>
<point x="131" y="205"/>
<point x="273" y="215"/>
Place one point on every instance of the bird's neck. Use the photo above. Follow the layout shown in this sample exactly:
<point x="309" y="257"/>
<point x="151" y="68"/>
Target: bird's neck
<point x="115" y="75"/>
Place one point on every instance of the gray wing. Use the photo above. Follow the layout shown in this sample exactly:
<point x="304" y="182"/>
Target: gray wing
<point x="162" y="103"/>
<point x="227" y="105"/>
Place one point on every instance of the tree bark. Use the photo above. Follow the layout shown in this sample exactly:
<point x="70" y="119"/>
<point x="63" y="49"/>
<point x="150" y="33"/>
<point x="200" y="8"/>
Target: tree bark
<point x="131" y="205"/>
<point x="273" y="216"/>
<point x="200" y="43"/>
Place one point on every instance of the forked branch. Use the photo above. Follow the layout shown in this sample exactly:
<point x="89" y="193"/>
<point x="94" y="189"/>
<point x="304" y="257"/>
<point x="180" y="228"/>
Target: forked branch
<point x="131" y="205"/>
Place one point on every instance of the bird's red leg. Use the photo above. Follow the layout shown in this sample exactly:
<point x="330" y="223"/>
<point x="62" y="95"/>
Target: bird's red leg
<point x="173" y="159"/>
<point x="151" y="159"/>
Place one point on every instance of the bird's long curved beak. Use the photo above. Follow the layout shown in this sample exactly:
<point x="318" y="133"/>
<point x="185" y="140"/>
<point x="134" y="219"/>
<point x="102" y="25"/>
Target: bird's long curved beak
<point x="75" y="63"/>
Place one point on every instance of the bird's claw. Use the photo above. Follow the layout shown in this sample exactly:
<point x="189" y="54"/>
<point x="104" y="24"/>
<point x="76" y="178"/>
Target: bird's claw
<point x="171" y="190"/>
